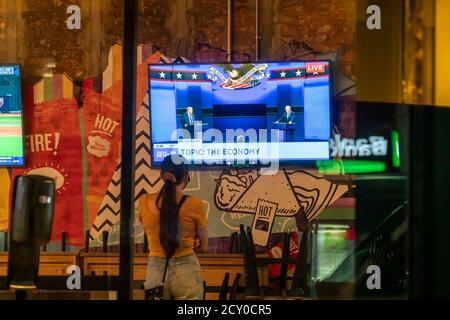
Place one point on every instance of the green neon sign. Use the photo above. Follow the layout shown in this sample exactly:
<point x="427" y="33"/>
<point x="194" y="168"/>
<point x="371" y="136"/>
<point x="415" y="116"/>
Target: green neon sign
<point x="350" y="166"/>
<point x="395" y="149"/>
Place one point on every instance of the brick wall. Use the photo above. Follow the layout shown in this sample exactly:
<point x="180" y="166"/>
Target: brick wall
<point x="196" y="29"/>
<point x="322" y="26"/>
<point x="153" y="15"/>
<point x="46" y="41"/>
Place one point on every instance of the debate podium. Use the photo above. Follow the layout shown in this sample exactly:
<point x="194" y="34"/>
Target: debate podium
<point x="199" y="127"/>
<point x="286" y="131"/>
<point x="196" y="130"/>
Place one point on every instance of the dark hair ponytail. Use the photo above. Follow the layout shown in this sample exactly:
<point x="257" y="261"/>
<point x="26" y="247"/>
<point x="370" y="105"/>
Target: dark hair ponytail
<point x="173" y="173"/>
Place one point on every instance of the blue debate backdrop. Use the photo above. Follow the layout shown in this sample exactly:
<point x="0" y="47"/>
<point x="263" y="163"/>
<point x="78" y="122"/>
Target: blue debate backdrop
<point x="240" y="96"/>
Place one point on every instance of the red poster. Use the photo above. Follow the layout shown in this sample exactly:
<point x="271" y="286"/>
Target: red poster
<point x="53" y="146"/>
<point x="102" y="136"/>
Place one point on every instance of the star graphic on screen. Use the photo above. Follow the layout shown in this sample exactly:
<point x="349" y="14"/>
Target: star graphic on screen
<point x="179" y="75"/>
<point x="298" y="73"/>
<point x="208" y="76"/>
<point x="283" y="74"/>
<point x="194" y="76"/>
<point x="162" y="75"/>
<point x="268" y="75"/>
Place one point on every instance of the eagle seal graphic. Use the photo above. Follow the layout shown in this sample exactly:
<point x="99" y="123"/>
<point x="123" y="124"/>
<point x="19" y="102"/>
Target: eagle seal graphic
<point x="246" y="76"/>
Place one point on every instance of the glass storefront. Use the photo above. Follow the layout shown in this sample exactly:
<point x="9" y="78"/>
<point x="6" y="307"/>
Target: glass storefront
<point x="94" y="94"/>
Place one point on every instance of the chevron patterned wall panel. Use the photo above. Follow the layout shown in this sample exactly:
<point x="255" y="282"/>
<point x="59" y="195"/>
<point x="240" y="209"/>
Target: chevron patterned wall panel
<point x="146" y="181"/>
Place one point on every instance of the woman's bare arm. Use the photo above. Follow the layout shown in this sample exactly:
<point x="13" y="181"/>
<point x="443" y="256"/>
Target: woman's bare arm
<point x="202" y="236"/>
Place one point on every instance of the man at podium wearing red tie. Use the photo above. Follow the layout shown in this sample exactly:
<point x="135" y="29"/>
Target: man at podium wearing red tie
<point x="288" y="118"/>
<point x="188" y="120"/>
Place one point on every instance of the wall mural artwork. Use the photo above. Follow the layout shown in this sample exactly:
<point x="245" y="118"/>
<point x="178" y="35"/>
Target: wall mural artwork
<point x="54" y="147"/>
<point x="102" y="113"/>
<point x="77" y="142"/>
<point x="297" y="194"/>
<point x="102" y="135"/>
<point x="146" y="181"/>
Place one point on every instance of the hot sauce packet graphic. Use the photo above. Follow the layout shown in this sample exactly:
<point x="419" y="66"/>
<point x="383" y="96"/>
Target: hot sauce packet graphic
<point x="263" y="221"/>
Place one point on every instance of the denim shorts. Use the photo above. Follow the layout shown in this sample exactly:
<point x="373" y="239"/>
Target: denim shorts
<point x="183" y="278"/>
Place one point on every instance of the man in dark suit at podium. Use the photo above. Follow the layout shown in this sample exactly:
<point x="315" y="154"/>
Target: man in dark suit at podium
<point x="188" y="120"/>
<point x="288" y="118"/>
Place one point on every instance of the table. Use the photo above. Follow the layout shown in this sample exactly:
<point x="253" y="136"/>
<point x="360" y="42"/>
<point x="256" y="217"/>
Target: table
<point x="213" y="268"/>
<point x="51" y="263"/>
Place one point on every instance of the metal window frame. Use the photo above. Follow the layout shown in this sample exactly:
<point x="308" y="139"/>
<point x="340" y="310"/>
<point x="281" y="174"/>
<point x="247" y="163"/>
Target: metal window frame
<point x="129" y="65"/>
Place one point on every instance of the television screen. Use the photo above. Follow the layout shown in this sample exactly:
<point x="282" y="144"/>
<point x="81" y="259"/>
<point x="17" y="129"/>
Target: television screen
<point x="11" y="133"/>
<point x="249" y="113"/>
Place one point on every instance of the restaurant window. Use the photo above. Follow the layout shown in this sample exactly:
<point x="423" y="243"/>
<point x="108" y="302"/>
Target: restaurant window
<point x="238" y="71"/>
<point x="311" y="196"/>
<point x="61" y="109"/>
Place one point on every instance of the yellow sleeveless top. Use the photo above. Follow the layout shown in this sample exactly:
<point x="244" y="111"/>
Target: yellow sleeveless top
<point x="192" y="216"/>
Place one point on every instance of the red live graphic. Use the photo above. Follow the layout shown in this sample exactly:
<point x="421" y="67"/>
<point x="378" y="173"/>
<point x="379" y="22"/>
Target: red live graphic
<point x="47" y="142"/>
<point x="315" y="68"/>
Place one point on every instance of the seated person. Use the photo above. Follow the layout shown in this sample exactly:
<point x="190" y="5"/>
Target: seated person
<point x="288" y="118"/>
<point x="188" y="120"/>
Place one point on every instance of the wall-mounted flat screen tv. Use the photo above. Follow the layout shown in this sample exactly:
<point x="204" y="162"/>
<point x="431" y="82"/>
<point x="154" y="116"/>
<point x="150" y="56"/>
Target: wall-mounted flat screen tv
<point x="249" y="113"/>
<point x="11" y="130"/>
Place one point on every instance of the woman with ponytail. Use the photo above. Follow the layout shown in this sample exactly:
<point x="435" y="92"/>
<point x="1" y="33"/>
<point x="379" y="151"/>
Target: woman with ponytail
<point x="176" y="229"/>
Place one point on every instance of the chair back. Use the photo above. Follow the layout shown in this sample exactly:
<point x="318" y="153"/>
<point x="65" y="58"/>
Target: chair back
<point x="224" y="288"/>
<point x="250" y="263"/>
<point x="235" y="287"/>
